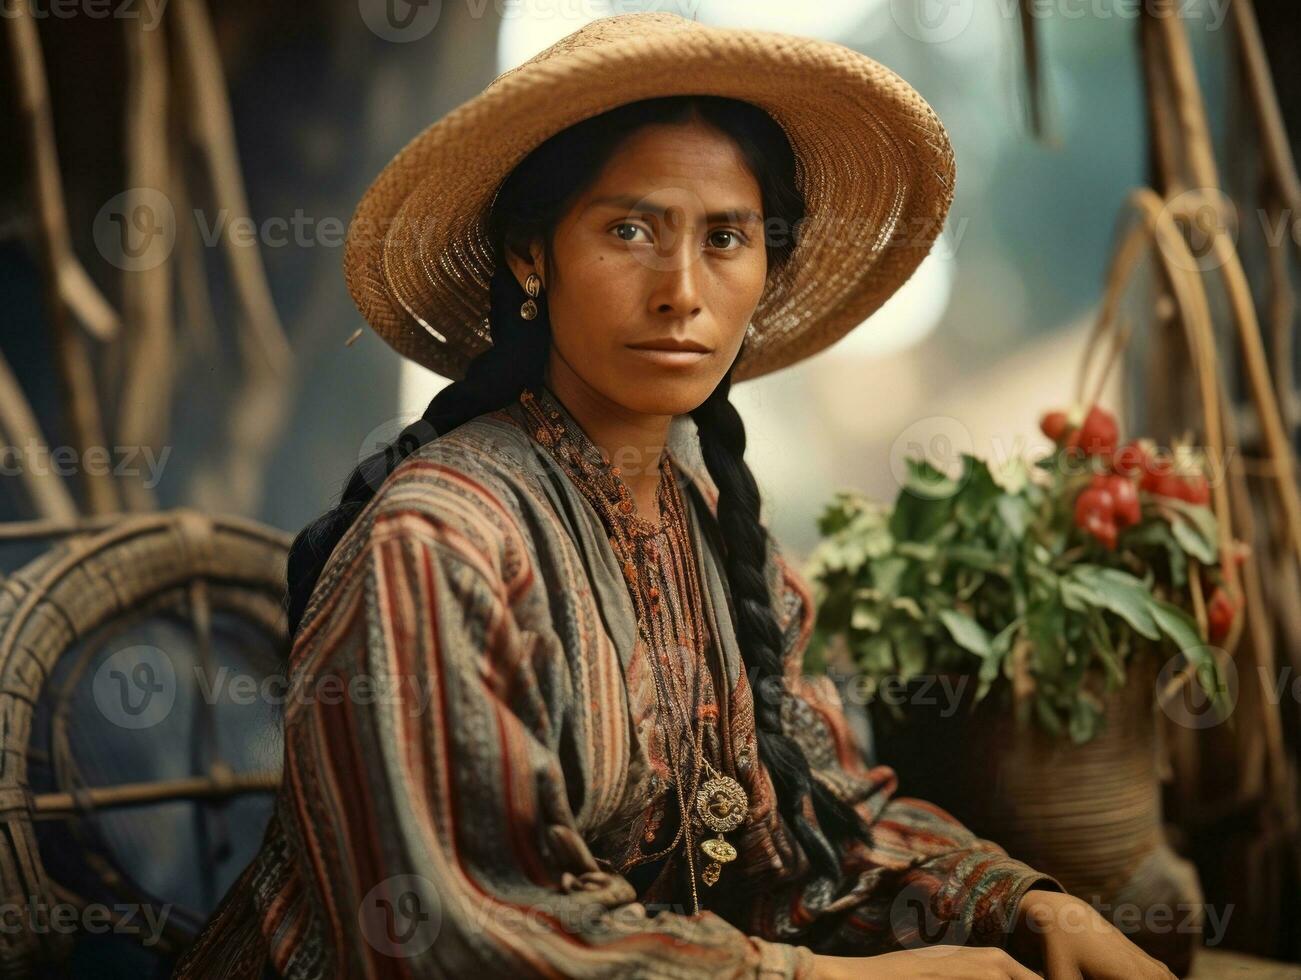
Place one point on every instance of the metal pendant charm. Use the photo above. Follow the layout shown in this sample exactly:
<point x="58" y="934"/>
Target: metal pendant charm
<point x="722" y="804"/>
<point x="718" y="849"/>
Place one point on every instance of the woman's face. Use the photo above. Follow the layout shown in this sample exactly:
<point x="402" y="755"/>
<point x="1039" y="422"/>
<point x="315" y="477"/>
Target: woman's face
<point x="666" y="245"/>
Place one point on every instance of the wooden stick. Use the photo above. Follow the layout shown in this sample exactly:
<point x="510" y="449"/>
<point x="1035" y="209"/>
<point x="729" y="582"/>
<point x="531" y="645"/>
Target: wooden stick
<point x="149" y="368"/>
<point x="1277" y="445"/>
<point x="259" y="409"/>
<point x="1189" y="106"/>
<point x="72" y="361"/>
<point x="1167" y="171"/>
<point x="1033" y="78"/>
<point x="19" y="430"/>
<point x="1280" y="164"/>
<point x="59" y="806"/>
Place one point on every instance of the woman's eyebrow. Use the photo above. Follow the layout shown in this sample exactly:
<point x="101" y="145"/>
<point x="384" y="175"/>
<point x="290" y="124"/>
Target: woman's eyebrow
<point x="630" y="202"/>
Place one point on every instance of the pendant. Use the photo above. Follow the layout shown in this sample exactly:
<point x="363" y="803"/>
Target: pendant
<point x="722" y="806"/>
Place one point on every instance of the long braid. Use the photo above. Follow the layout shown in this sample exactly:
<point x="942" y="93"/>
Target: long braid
<point x="722" y="443"/>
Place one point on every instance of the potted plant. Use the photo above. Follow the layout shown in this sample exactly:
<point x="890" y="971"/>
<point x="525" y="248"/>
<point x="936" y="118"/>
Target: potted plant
<point x="1008" y="626"/>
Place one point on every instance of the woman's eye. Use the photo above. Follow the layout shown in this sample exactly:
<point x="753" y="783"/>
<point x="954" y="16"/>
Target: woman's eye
<point x="724" y="239"/>
<point x="728" y="246"/>
<point x="627" y="226"/>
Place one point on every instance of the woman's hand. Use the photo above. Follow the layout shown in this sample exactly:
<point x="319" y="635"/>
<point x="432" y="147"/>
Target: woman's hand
<point x="1066" y="939"/>
<point x="1062" y="937"/>
<point x="936" y="962"/>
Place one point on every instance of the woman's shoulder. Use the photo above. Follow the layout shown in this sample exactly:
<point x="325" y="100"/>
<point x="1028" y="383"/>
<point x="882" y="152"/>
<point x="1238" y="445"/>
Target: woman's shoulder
<point x="460" y="493"/>
<point x="470" y="485"/>
<point x="482" y="461"/>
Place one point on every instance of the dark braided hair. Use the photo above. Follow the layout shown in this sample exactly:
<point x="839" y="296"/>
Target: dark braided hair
<point x="527" y="208"/>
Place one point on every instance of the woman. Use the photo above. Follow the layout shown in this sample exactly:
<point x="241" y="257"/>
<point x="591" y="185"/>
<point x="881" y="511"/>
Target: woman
<point x="582" y="744"/>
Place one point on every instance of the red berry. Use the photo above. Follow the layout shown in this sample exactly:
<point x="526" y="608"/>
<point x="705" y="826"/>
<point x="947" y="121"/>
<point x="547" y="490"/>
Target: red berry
<point x="1196" y="490"/>
<point x="1154" y="472"/>
<point x="1054" y="425"/>
<point x="1220" y="613"/>
<point x="1124" y="496"/>
<point x="1094" y="512"/>
<point x="1097" y="436"/>
<point x="1105" y="532"/>
<point x="1131" y="460"/>
<point x="1093" y="500"/>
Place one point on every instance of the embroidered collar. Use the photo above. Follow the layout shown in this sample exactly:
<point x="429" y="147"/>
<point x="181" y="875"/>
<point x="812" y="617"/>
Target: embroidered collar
<point x="599" y="479"/>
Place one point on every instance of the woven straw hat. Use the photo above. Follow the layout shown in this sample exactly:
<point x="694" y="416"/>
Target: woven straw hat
<point x="872" y="159"/>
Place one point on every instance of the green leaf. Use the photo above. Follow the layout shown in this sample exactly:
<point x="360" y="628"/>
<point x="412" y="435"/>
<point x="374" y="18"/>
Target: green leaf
<point x="923" y="553"/>
<point x="1014" y="512"/>
<point x="1012" y="475"/>
<point x="999" y="647"/>
<point x="910" y="651"/>
<point x="1001" y="644"/>
<point x="977" y="557"/>
<point x="1192" y="542"/>
<point x="925" y="504"/>
<point x="874" y="655"/>
<point x="908" y="606"/>
<point x="966" y="632"/>
<point x="1085" y="714"/>
<point x="1046" y="625"/>
<point x="1047" y="715"/>
<point x="1104" y="649"/>
<point x="978" y="493"/>
<point x="926" y="481"/>
<point x="1195" y="527"/>
<point x="1077" y="597"/>
<point x="1182" y="631"/>
<point x="864" y="618"/>
<point x="1121" y="593"/>
<point x="1176" y="624"/>
<point x="1159" y="534"/>
<point x="887" y="574"/>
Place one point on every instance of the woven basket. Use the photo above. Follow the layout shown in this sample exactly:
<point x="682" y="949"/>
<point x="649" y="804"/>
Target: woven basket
<point x="87" y="588"/>
<point x="1090" y="814"/>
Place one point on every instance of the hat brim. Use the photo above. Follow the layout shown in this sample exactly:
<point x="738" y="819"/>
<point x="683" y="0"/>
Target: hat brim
<point x="873" y="161"/>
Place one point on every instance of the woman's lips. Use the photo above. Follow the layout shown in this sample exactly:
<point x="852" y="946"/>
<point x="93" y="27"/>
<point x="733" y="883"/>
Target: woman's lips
<point x="670" y="358"/>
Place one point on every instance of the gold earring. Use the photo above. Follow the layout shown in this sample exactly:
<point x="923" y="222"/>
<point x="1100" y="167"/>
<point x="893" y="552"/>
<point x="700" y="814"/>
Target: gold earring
<point x="529" y="309"/>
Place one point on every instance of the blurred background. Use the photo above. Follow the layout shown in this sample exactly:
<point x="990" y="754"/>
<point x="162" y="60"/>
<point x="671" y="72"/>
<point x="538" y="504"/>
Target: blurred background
<point x="242" y="135"/>
<point x="319" y="103"/>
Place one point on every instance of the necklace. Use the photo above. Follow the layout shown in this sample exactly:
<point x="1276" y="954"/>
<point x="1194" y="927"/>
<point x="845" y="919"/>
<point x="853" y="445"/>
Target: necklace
<point x="720" y="803"/>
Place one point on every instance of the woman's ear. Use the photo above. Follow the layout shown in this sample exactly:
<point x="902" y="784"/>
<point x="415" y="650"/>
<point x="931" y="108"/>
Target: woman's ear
<point x="522" y="265"/>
